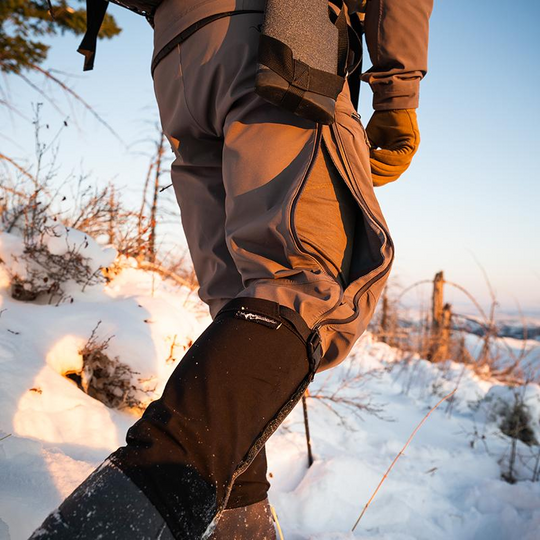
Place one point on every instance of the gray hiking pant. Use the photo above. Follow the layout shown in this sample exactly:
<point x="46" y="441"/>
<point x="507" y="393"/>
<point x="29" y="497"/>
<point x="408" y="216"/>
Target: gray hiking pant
<point x="273" y="206"/>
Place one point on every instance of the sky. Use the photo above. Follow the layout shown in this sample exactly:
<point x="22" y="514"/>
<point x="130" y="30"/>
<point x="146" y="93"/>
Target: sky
<point x="468" y="204"/>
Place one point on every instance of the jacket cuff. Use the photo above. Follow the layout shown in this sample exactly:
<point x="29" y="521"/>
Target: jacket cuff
<point x="394" y="93"/>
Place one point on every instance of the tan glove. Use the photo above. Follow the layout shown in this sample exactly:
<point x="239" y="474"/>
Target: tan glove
<point x="394" y="139"/>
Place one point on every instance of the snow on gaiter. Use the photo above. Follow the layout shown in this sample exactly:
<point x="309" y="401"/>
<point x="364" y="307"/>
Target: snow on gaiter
<point x="229" y="393"/>
<point x="302" y="57"/>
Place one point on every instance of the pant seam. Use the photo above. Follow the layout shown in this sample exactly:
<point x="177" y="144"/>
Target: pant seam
<point x="184" y="93"/>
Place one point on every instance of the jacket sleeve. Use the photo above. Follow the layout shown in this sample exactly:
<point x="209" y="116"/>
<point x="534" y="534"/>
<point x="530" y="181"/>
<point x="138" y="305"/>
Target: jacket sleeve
<point x="397" y="38"/>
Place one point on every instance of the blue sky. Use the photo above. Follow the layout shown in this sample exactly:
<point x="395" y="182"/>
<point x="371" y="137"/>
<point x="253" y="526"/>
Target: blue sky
<point x="472" y="194"/>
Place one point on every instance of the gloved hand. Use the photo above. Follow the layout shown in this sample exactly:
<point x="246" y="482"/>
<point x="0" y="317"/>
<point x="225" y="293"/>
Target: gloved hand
<point x="394" y="139"/>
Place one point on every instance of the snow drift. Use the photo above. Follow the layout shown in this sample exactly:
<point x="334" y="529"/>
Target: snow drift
<point x="447" y="485"/>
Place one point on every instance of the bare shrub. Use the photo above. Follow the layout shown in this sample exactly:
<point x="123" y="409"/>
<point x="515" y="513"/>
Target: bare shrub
<point x="47" y="273"/>
<point x="347" y="397"/>
<point x="438" y="333"/>
<point x="44" y="273"/>
<point x="509" y="413"/>
<point x="517" y="423"/>
<point x="32" y="209"/>
<point x="107" y="379"/>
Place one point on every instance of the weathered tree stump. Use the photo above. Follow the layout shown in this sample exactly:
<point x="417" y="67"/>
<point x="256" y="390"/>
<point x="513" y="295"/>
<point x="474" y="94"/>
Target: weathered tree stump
<point x="441" y="322"/>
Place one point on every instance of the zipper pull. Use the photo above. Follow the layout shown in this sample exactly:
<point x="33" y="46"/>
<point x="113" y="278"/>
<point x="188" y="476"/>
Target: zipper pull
<point x="358" y="118"/>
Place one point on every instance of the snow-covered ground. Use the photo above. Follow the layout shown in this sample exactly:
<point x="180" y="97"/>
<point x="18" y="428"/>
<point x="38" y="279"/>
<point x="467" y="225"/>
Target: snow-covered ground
<point x="447" y="484"/>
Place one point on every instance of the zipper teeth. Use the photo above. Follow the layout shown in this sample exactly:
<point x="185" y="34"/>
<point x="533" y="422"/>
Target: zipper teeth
<point x="278" y="418"/>
<point x="359" y="293"/>
<point x="360" y="196"/>
<point x="321" y="322"/>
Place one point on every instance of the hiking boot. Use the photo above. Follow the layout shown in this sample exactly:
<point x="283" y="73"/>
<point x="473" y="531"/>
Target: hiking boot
<point x="253" y="522"/>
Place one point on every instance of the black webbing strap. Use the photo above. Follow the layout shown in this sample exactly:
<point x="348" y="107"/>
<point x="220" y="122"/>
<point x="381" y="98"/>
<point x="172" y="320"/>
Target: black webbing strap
<point x="190" y="30"/>
<point x="95" y="13"/>
<point x="279" y="58"/>
<point x="301" y="77"/>
<point x="343" y="42"/>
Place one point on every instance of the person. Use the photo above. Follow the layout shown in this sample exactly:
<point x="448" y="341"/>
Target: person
<point x="291" y="251"/>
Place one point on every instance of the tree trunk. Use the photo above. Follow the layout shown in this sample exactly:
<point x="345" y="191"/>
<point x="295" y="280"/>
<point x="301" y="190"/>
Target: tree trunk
<point x="438" y="302"/>
<point x="384" y="329"/>
<point x="153" y="210"/>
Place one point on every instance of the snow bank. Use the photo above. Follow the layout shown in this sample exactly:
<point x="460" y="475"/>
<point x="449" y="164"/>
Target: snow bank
<point x="62" y="259"/>
<point x="447" y="485"/>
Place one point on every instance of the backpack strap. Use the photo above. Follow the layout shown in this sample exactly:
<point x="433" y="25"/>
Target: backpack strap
<point x="279" y="58"/>
<point x="291" y="83"/>
<point x="95" y="13"/>
<point x="343" y="42"/>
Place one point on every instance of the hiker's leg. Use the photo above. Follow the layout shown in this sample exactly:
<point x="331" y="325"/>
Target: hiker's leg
<point x="198" y="184"/>
<point x="266" y="160"/>
<point x="229" y="393"/>
<point x="197" y="180"/>
<point x="324" y="198"/>
<point x="244" y="374"/>
<point x="269" y="157"/>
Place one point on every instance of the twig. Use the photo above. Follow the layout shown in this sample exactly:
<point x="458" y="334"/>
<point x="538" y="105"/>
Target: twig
<point x="71" y="92"/>
<point x="410" y="287"/>
<point x="276" y="521"/>
<point x="155" y="267"/>
<point x="171" y="357"/>
<point x="41" y="92"/>
<point x="397" y="457"/>
<point x="306" y="426"/>
<point x="18" y="167"/>
<point x="51" y="10"/>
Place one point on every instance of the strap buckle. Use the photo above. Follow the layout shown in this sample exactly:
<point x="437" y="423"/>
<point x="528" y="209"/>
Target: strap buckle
<point x="315" y="352"/>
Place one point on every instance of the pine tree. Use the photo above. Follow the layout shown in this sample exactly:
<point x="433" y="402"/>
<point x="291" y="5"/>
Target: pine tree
<point x="24" y="23"/>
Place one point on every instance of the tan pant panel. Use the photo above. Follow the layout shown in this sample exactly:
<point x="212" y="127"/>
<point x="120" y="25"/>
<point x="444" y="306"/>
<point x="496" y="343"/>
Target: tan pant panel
<point x="325" y="217"/>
